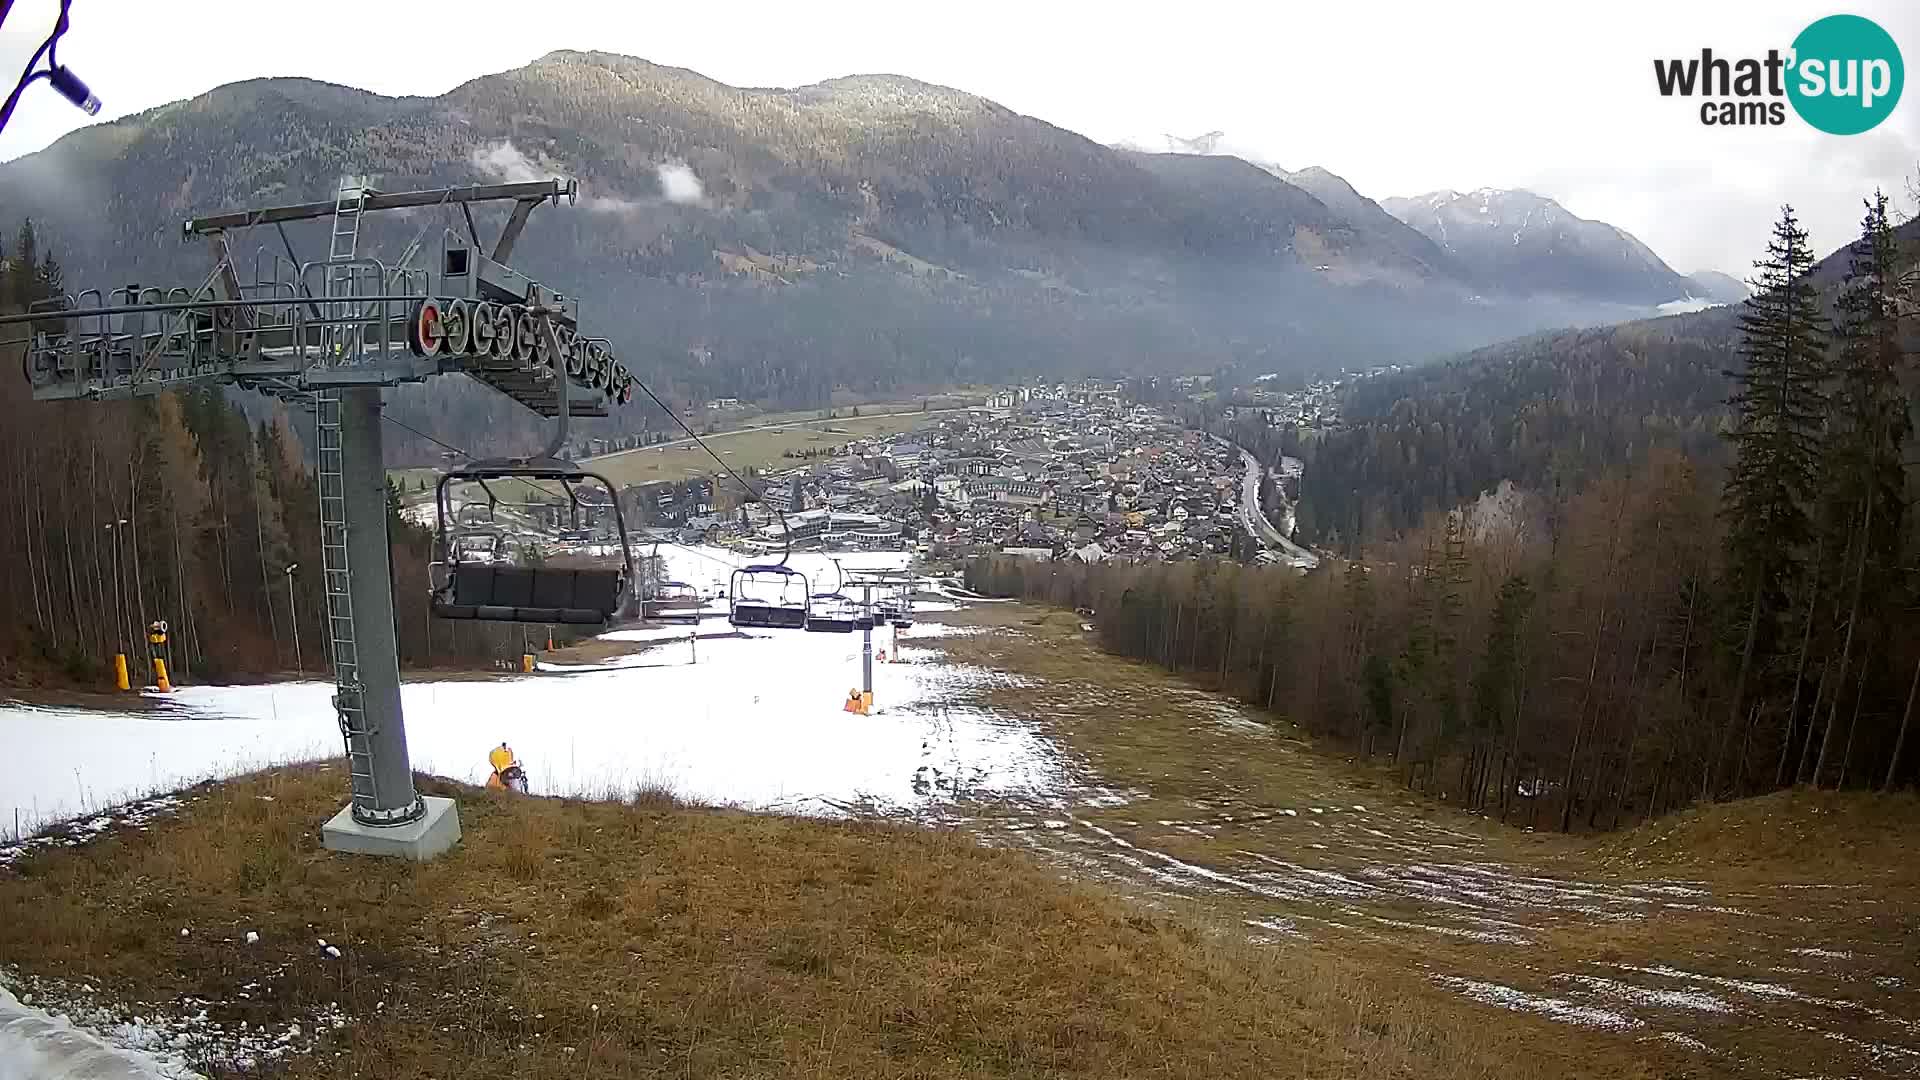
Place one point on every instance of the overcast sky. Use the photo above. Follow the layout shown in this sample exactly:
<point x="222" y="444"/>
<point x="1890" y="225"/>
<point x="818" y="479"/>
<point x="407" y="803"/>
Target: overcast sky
<point x="1399" y="98"/>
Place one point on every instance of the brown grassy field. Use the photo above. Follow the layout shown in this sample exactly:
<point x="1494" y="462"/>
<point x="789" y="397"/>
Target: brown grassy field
<point x="641" y="938"/>
<point x="1768" y="937"/>
<point x="753" y="445"/>
<point x="1212" y="896"/>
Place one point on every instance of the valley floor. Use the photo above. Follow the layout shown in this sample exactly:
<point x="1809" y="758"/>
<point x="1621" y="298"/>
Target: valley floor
<point x="1035" y="859"/>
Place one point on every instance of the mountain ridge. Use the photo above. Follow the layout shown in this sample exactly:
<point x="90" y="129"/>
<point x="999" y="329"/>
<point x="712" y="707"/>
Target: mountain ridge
<point x="872" y="234"/>
<point x="1341" y="197"/>
<point x="1522" y="242"/>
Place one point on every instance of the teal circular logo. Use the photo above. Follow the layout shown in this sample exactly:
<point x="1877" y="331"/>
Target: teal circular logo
<point x="1846" y="75"/>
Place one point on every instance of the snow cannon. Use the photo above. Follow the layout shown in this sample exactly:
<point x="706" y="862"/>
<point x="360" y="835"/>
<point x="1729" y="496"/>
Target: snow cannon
<point x="507" y="774"/>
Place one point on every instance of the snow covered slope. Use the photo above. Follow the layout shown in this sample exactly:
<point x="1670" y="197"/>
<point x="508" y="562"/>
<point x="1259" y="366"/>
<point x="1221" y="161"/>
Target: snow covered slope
<point x="1519" y="242"/>
<point x="756" y="722"/>
<point x="36" y="1046"/>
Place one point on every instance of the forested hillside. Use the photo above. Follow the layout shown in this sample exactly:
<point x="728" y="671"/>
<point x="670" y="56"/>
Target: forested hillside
<point x="174" y="507"/>
<point x="1548" y="412"/>
<point x="1545" y="411"/>
<point x="1507" y="676"/>
<point x="1707" y="592"/>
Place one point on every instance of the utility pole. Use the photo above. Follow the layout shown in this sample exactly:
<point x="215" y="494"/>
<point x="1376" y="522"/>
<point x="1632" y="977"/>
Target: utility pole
<point x="119" y="590"/>
<point x="866" y="646"/>
<point x="293" y="618"/>
<point x="138" y="613"/>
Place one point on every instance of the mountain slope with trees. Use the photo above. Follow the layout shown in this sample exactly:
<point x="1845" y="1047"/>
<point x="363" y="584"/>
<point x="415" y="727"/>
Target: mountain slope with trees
<point x="872" y="234"/>
<point x="1552" y="409"/>
<point x="1340" y="197"/>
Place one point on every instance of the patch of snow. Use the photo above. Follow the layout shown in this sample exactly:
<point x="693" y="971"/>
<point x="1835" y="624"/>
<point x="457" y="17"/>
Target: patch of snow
<point x="1492" y="937"/>
<point x="654" y="633"/>
<point x="63" y="1032"/>
<point x="1824" y="954"/>
<point x="35" y="1045"/>
<point x="756" y="723"/>
<point x="1698" y="1000"/>
<point x="1507" y="997"/>
<point x="1284" y="927"/>
<point x="1760" y="989"/>
<point x="74" y="833"/>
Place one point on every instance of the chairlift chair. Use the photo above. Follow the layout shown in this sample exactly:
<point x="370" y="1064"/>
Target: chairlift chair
<point x="674" y="600"/>
<point x="902" y="613"/>
<point x="770" y="596"/>
<point x="466" y="589"/>
<point x="834" y="613"/>
<point x="480" y="545"/>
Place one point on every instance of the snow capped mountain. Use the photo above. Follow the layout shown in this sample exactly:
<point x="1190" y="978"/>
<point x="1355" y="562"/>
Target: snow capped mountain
<point x="1520" y="242"/>
<point x="1492" y="241"/>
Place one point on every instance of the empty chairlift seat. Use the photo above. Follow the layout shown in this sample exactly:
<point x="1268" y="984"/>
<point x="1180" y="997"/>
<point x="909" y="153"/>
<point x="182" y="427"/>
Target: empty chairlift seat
<point x="769" y="596"/>
<point x="531" y="594"/>
<point x="833" y="613"/>
<point x="476" y="584"/>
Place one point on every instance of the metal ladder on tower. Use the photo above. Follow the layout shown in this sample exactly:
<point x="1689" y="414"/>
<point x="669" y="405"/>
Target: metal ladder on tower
<point x="349" y="200"/>
<point x="349" y="699"/>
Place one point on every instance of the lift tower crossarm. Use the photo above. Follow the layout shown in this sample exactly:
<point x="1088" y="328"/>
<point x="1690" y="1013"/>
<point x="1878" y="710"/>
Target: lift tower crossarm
<point x="529" y="195"/>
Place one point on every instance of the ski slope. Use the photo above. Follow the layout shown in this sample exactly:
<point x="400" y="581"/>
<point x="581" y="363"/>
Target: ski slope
<point x="757" y="722"/>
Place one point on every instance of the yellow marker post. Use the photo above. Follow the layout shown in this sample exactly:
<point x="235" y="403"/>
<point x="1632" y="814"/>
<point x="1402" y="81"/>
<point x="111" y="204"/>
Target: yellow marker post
<point x="157" y="637"/>
<point x="120" y="671"/>
<point x="526" y="662"/>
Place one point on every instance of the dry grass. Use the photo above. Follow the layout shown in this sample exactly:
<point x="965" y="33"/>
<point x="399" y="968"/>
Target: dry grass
<point x="599" y="650"/>
<point x="1817" y="835"/>
<point x="646" y="939"/>
<point x="752" y="446"/>
<point x="1179" y="756"/>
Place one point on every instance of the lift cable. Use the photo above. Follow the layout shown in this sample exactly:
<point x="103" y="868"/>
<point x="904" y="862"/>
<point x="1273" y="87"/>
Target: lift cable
<point x="752" y="492"/>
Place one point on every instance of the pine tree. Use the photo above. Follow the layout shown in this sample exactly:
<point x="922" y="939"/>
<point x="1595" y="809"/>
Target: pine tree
<point x="1495" y="683"/>
<point x="1779" y="406"/>
<point x="1868" y="426"/>
<point x="22" y="283"/>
